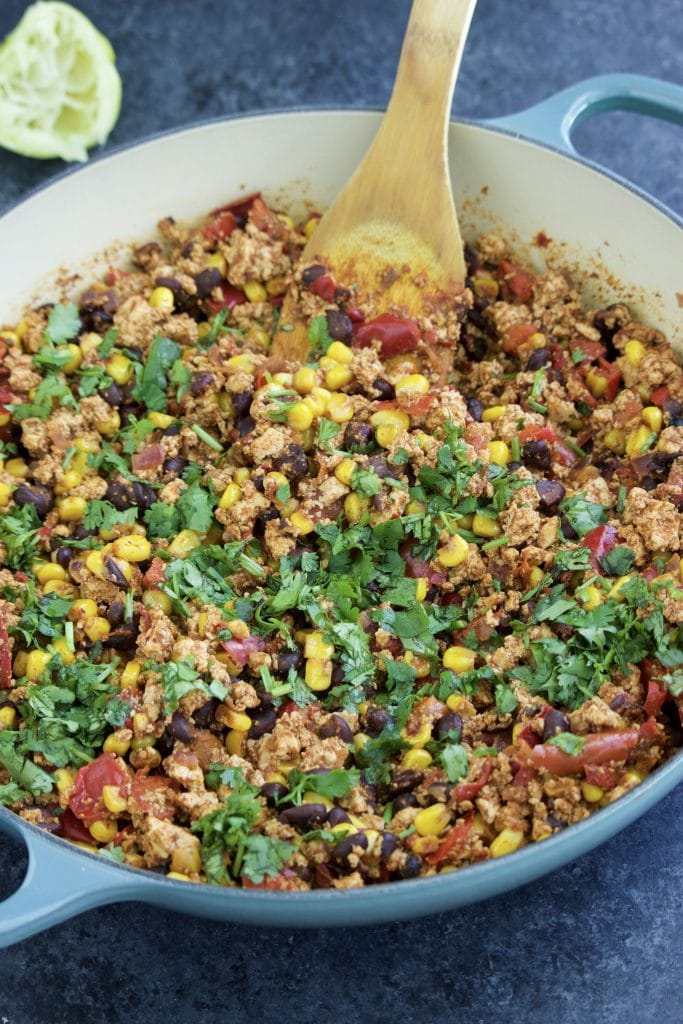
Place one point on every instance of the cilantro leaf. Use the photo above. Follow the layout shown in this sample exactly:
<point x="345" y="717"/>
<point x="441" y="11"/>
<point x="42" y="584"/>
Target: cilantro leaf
<point x="162" y="520"/>
<point x="11" y="793"/>
<point x="63" y="323"/>
<point x="506" y="701"/>
<point x="196" y="505"/>
<point x="618" y="561"/>
<point x="568" y="742"/>
<point x="319" y="337"/>
<point x="375" y="756"/>
<point x="366" y="482"/>
<point x="151" y="382"/>
<point x="327" y="430"/>
<point x="22" y="771"/>
<point x="50" y="388"/>
<point x="178" y="678"/>
<point x="333" y="784"/>
<point x="583" y="515"/>
<point x="572" y="560"/>
<point x="102" y="515"/>
<point x="454" y="759"/>
<point x="19" y="534"/>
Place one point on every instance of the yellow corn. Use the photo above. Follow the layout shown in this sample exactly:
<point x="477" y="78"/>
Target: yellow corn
<point x="154" y="598"/>
<point x="340" y="353"/>
<point x="120" y="369"/>
<point x="5" y="491"/>
<point x="19" y="664"/>
<point x="615" y="440"/>
<point x="60" y="587"/>
<point x="310" y="226"/>
<point x="8" y="717"/>
<point x="110" y="424"/>
<point x="596" y="383"/>
<point x="338" y="377"/>
<point x="235" y="741"/>
<point x="315" y="646"/>
<point x="637" y="441"/>
<point x="420" y="665"/>
<point x="591" y="597"/>
<point x="299" y="416"/>
<point x="89" y="342"/>
<point x="112" y="799"/>
<point x="230" y="496"/>
<point x="634" y="351"/>
<point x="652" y="417"/>
<point x="242" y="362"/>
<point x="72" y="478"/>
<point x="236" y="720"/>
<point x="318" y="674"/>
<point x="420" y="588"/>
<point x="17" y="468"/>
<point x="412" y="384"/>
<point x="344" y="471"/>
<point x="301" y="523"/>
<point x="417" y="758"/>
<point x="96" y="628"/>
<point x="117" y="743"/>
<point x="255" y="291"/>
<point x="386" y="434"/>
<point x="62" y="648"/>
<point x="432" y="821"/>
<point x="36" y="663"/>
<point x="453" y="552"/>
<point x="83" y="608"/>
<point x="339" y="408"/>
<point x="238" y="628"/>
<point x="304" y="380"/>
<point x="217" y="260"/>
<point x="615" y="590"/>
<point x="160" y="419"/>
<point x="64" y="780"/>
<point x="459" y="659"/>
<point x="186" y="860"/>
<point x="183" y="543"/>
<point x="130" y="674"/>
<point x="591" y="793"/>
<point x="484" y="527"/>
<point x="360" y="740"/>
<point x="49" y="571"/>
<point x="499" y="453"/>
<point x="494" y="412"/>
<point x="420" y="738"/>
<point x="132" y="548"/>
<point x="162" y="299"/>
<point x="355" y="507"/>
<point x="317" y="400"/>
<point x="390" y="417"/>
<point x="103" y="831"/>
<point x="536" y="576"/>
<point x="76" y="357"/>
<point x="506" y="841"/>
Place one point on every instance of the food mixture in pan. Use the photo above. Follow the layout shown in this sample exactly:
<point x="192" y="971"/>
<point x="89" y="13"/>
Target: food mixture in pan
<point x="404" y="608"/>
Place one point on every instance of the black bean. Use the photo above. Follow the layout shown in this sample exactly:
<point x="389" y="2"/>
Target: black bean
<point x="450" y="723"/>
<point x="474" y="346"/>
<point x="37" y="495"/>
<point x="336" y="726"/>
<point x="293" y="462"/>
<point x="512" y="466"/>
<point x="175" y="466"/>
<point x="412" y="867"/>
<point x="357" y="436"/>
<point x="181" y="728"/>
<point x="81" y="532"/>
<point x="63" y="557"/>
<point x="305" y="817"/>
<point x="654" y="464"/>
<point x="287" y="659"/>
<point x="96" y="309"/>
<point x="259" y="527"/>
<point x="112" y="395"/>
<point x="648" y="483"/>
<point x="550" y="493"/>
<point x="343" y="849"/>
<point x="336" y="815"/>
<point x="123" y="636"/>
<point x="556" y="822"/>
<point x="206" y="714"/>
<point x="165" y="743"/>
<point x="171" y="431"/>
<point x="262" y="722"/>
<point x="404" y="800"/>
<point x="129" y="411"/>
<point x="337" y="675"/>
<point x="206" y="281"/>
<point x="386" y="390"/>
<point x="475" y="408"/>
<point x="622" y="701"/>
<point x="199" y="382"/>
<point x="538" y="454"/>
<point x="538" y="358"/>
<point x="259" y="483"/>
<point x="273" y="791"/>
<point x="144" y="254"/>
<point x="342" y="295"/>
<point x="115" y="612"/>
<point x="241" y="403"/>
<point x="180" y="294"/>
<point x="472" y="259"/>
<point x="312" y="273"/>
<point x="245" y="425"/>
<point x="554" y="722"/>
<point x="113" y="574"/>
<point x="338" y="325"/>
<point x="568" y="531"/>
<point x="375" y="720"/>
<point x="389" y="844"/>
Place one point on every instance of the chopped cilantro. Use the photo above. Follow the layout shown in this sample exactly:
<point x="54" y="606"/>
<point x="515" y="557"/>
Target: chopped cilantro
<point x="568" y="742"/>
<point x="19" y="534"/>
<point x="506" y="701"/>
<point x="618" y="561"/>
<point x="366" y="482"/>
<point x="51" y="388"/>
<point x="327" y="430"/>
<point x="102" y="515"/>
<point x="151" y="381"/>
<point x="319" y="337"/>
<point x="333" y="784"/>
<point x="583" y="515"/>
<point x="63" y="323"/>
<point x="453" y="757"/>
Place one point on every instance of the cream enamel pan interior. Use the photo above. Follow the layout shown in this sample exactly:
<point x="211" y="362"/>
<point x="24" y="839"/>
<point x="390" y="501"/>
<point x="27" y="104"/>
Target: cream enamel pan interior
<point x="502" y="182"/>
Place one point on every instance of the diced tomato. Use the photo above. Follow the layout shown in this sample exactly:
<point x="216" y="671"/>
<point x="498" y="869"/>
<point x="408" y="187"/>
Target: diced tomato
<point x="523" y="776"/>
<point x="600" y="542"/>
<point x="71" y="828"/>
<point x="515" y="283"/>
<point x="612" y="374"/>
<point x="660" y="395"/>
<point x="468" y="790"/>
<point x="324" y="286"/>
<point x="5" y="656"/>
<point x="527" y="735"/>
<point x="558" y="357"/>
<point x="396" y="334"/>
<point x="142" y="793"/>
<point x="240" y="208"/>
<point x="598" y="749"/>
<point x="591" y="349"/>
<point x="220" y="227"/>
<point x="602" y="776"/>
<point x="155" y="574"/>
<point x="453" y="838"/>
<point x="231" y="297"/>
<point x="516" y="335"/>
<point x="265" y="219"/>
<point x="657" y="693"/>
<point x="86" y="796"/>
<point x="562" y="453"/>
<point x="6" y="394"/>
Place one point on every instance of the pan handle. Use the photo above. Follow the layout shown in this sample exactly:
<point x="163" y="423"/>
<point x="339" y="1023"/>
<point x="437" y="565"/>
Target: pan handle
<point x="59" y="883"/>
<point x="552" y="121"/>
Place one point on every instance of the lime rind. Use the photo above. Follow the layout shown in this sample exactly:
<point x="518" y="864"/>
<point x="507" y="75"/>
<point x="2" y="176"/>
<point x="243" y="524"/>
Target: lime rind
<point x="60" y="92"/>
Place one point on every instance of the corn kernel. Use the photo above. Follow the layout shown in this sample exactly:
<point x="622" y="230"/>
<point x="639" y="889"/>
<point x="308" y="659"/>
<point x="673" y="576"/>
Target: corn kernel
<point x="154" y="598"/>
<point x="420" y="738"/>
<point x="160" y="419"/>
<point x="318" y="674"/>
<point x="217" y="260"/>
<point x="64" y="780"/>
<point x="637" y="441"/>
<point x="236" y="720"/>
<point x="238" y="628"/>
<point x="506" y="842"/>
<point x="304" y="380"/>
<point x="596" y="383"/>
<point x="230" y="496"/>
<point x="83" y="608"/>
<point x="360" y="740"/>
<point x="183" y="543"/>
<point x="162" y="299"/>
<point x="17" y="468"/>
<point x="355" y="507"/>
<point x="344" y="471"/>
<point x="103" y="831"/>
<point x="340" y="352"/>
<point x="89" y="342"/>
<point x="19" y="664"/>
<point x="255" y="291"/>
<point x="494" y="412"/>
<point x="130" y="674"/>
<point x="339" y="408"/>
<point x="416" y="758"/>
<point x="71" y="479"/>
<point x="386" y="417"/>
<point x="615" y="440"/>
<point x="386" y="434"/>
<point x="536" y="576"/>
<point x="415" y="508"/>
<point x="235" y="741"/>
<point x="110" y="424"/>
<point x="5" y="491"/>
<point x="432" y="821"/>
<point x="299" y="416"/>
<point x="499" y="453"/>
<point x="120" y="368"/>
<point x="453" y="552"/>
<point x="66" y="655"/>
<point x="302" y="523"/>
<point x="615" y="590"/>
<point x="310" y="226"/>
<point x="36" y="663"/>
<point x="117" y="743"/>
<point x="652" y="417"/>
<point x="634" y="351"/>
<point x="484" y="527"/>
<point x="326" y="363"/>
<point x="242" y="362"/>
<point x="412" y="384"/>
<point x="132" y="548"/>
<point x="96" y="628"/>
<point x="317" y="400"/>
<point x="591" y="597"/>
<point x="310" y="797"/>
<point x="591" y="793"/>
<point x="76" y="357"/>
<point x="421" y="666"/>
<point x="420" y="588"/>
<point x="276" y="286"/>
<point x="315" y="646"/>
<point x="112" y="799"/>
<point x="459" y="659"/>
<point x="49" y="571"/>
<point x="8" y="717"/>
<point x="338" y="377"/>
<point x="284" y="379"/>
<point x="186" y="860"/>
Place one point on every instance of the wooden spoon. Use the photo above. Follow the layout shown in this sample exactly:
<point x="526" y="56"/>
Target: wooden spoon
<point x="392" y="233"/>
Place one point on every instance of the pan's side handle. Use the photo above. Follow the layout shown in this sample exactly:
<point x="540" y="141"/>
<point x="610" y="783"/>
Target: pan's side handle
<point x="553" y="120"/>
<point x="58" y="884"/>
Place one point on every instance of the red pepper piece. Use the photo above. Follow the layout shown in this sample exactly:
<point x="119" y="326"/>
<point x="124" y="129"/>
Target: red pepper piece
<point x="220" y="228"/>
<point x="231" y="297"/>
<point x="454" y="837"/>
<point x="598" y="749"/>
<point x="155" y="574"/>
<point x="240" y="208"/>
<point x="600" y="541"/>
<point x="591" y="349"/>
<point x="515" y="283"/>
<point x="657" y="692"/>
<point x="468" y="790"/>
<point x="660" y="395"/>
<point x="562" y="453"/>
<point x="523" y="776"/>
<point x="324" y="287"/>
<point x="515" y="336"/>
<point x="86" y="796"/>
<point x="396" y="334"/>
<point x="71" y="828"/>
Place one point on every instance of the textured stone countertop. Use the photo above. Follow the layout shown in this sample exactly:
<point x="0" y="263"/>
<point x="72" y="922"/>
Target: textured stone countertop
<point x="599" y="941"/>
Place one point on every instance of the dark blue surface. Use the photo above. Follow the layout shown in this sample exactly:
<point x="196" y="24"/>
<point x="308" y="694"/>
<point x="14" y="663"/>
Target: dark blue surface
<point x="597" y="941"/>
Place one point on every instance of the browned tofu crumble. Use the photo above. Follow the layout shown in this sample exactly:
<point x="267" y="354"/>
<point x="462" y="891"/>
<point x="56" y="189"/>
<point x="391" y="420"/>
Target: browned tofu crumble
<point x="405" y="607"/>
